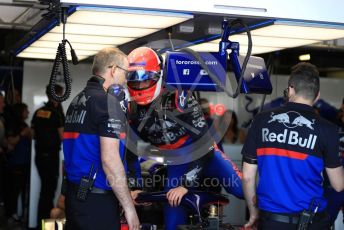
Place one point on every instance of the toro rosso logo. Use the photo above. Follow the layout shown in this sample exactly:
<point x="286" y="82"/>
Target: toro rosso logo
<point x="285" y="119"/>
<point x="341" y="143"/>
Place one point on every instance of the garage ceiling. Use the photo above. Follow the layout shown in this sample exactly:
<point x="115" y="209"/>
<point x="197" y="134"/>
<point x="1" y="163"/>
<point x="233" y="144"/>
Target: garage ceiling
<point x="18" y="16"/>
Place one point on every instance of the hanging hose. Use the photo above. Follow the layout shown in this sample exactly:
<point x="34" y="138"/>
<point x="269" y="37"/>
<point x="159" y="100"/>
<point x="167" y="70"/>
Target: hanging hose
<point x="61" y="57"/>
<point x="213" y="76"/>
<point x="270" y="67"/>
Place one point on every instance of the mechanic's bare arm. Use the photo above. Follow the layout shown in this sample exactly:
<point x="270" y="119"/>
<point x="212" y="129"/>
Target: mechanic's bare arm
<point x="249" y="188"/>
<point x="336" y="176"/>
<point x="115" y="174"/>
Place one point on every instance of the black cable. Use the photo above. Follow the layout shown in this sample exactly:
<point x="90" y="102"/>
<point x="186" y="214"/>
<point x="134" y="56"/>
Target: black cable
<point x="10" y="87"/>
<point x="170" y="40"/>
<point x="247" y="57"/>
<point x="270" y="68"/>
<point x="61" y="57"/>
<point x="213" y="76"/>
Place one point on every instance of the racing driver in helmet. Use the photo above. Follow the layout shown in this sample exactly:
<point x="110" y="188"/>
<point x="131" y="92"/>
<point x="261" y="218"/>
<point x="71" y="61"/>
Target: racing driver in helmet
<point x="181" y="135"/>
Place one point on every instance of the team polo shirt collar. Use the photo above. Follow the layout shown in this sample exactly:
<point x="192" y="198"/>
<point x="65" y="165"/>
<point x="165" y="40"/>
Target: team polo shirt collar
<point x="294" y="105"/>
<point x="95" y="82"/>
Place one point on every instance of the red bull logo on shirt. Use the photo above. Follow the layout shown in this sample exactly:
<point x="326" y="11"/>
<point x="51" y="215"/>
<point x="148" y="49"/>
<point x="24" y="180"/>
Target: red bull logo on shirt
<point x="289" y="137"/>
<point x="284" y="118"/>
<point x="291" y="119"/>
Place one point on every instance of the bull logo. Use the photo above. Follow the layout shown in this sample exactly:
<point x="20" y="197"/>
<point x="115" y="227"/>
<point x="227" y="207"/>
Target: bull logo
<point x="280" y="118"/>
<point x="285" y="119"/>
<point x="158" y="127"/>
<point x="124" y="105"/>
<point x="301" y="120"/>
<point x="341" y="139"/>
<point x="341" y="143"/>
<point x="192" y="175"/>
<point x="80" y="100"/>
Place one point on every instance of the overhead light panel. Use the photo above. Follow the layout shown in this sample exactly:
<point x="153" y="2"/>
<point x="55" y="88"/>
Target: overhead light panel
<point x="279" y="35"/>
<point x="87" y="39"/>
<point x="45" y="56"/>
<point x="301" y="30"/>
<point x="90" y="29"/>
<point x="77" y="46"/>
<point x="53" y="51"/>
<point x="305" y="57"/>
<point x="100" y="30"/>
<point x="271" y="41"/>
<point x="214" y="47"/>
<point x="127" y="18"/>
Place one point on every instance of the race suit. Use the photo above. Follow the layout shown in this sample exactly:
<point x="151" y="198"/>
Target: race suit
<point x="183" y="135"/>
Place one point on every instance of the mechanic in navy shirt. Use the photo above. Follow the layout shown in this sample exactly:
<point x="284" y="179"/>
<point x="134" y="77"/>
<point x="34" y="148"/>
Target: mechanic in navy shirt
<point x="91" y="148"/>
<point x="289" y="148"/>
<point x="335" y="200"/>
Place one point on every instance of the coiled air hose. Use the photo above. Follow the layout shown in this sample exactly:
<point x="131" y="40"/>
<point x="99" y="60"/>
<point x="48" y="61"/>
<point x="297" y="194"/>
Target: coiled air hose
<point x="61" y="57"/>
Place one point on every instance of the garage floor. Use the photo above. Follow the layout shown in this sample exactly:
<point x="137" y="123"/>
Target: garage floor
<point x="10" y="224"/>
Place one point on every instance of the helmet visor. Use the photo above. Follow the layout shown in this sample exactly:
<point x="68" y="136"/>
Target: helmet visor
<point x="141" y="79"/>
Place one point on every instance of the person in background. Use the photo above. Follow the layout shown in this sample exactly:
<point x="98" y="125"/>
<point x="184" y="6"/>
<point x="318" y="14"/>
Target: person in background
<point x="335" y="200"/>
<point x="228" y="127"/>
<point x="204" y="103"/>
<point x="12" y="98"/>
<point x="47" y="125"/>
<point x="340" y="117"/>
<point x="2" y="150"/>
<point x="59" y="211"/>
<point x="18" y="160"/>
<point x="290" y="146"/>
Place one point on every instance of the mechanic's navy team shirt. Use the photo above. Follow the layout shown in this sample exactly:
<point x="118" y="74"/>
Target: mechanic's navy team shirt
<point x="88" y="117"/>
<point x="292" y="145"/>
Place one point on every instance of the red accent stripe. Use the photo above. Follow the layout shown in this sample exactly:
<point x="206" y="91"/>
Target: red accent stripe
<point x="176" y="101"/>
<point x="223" y="155"/>
<point x="70" y="135"/>
<point x="176" y="145"/>
<point x="122" y="135"/>
<point x="281" y="153"/>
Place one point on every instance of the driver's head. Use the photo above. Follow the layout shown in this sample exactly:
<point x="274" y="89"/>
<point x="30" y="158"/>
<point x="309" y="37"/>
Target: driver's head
<point x="144" y="77"/>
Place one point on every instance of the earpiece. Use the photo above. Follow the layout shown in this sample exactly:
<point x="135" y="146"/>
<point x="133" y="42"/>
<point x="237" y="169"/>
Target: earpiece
<point x="117" y="91"/>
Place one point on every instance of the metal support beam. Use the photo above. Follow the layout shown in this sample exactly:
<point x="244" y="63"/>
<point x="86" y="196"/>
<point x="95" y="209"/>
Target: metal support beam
<point x="9" y="25"/>
<point x="30" y="5"/>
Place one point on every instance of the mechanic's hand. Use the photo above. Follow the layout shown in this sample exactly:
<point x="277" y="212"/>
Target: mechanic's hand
<point x="175" y="195"/>
<point x="134" y="195"/>
<point x="132" y="220"/>
<point x="252" y="222"/>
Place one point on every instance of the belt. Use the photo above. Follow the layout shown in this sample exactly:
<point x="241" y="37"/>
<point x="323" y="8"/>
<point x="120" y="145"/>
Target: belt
<point x="289" y="218"/>
<point x="75" y="187"/>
